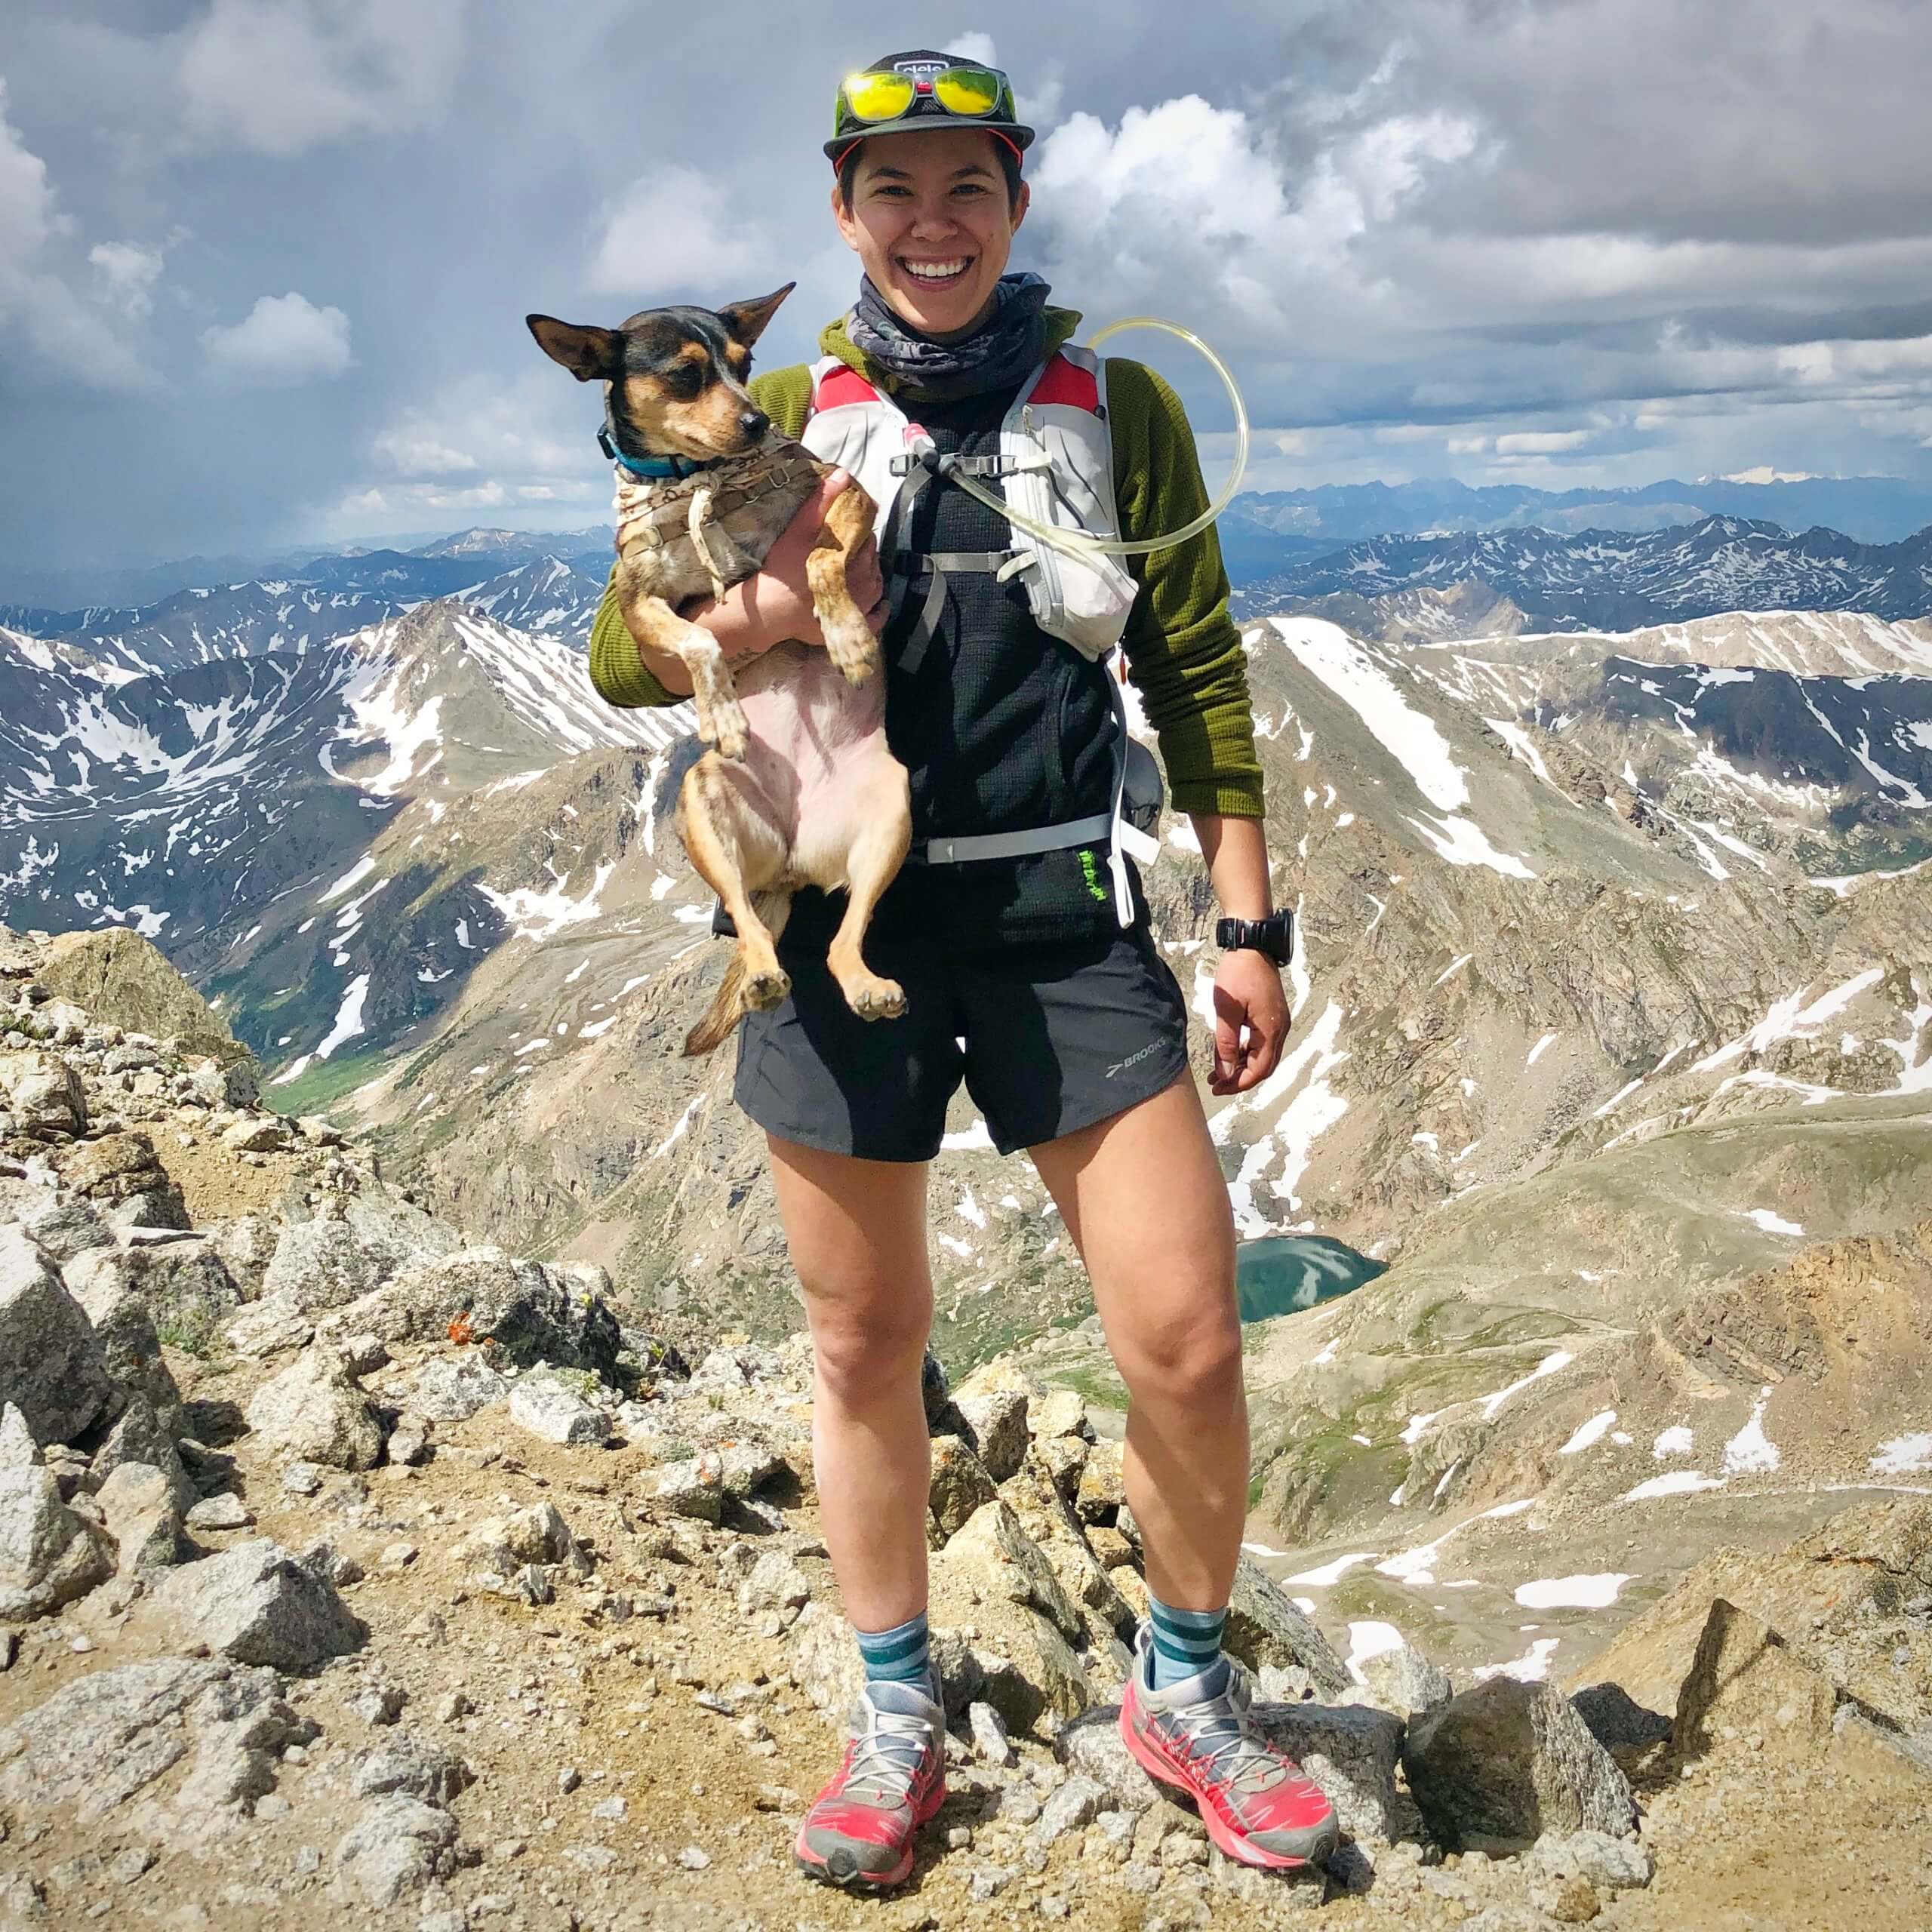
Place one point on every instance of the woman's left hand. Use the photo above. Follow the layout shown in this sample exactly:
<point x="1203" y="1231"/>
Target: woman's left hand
<point x="1247" y="995"/>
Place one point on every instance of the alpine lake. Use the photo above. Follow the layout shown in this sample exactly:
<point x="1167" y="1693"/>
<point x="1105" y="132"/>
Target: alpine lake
<point x="1284" y="1274"/>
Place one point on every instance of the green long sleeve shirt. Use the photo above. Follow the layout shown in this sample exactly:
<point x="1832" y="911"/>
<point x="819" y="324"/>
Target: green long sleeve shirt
<point x="1183" y="652"/>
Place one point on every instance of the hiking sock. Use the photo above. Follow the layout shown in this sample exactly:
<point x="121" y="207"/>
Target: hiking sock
<point x="898" y="1656"/>
<point x="1186" y="1642"/>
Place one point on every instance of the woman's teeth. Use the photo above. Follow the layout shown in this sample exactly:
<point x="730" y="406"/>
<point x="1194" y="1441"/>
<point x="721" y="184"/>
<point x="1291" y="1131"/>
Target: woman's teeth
<point x="936" y="271"/>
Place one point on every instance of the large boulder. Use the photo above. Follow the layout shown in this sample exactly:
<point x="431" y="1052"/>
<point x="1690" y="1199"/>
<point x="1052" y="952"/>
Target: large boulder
<point x="143" y="1514"/>
<point x="59" y="1223"/>
<point x="315" y="1411"/>
<point x="144" y="1438"/>
<point x="52" y="1367"/>
<point x="1745" y="1677"/>
<point x="555" y="1406"/>
<point x="124" y="1324"/>
<point x="256" y="1604"/>
<point x="1351" y="1752"/>
<point x="121" y="980"/>
<point x="1495" y="1768"/>
<point x="246" y="1244"/>
<point x="106" y="1738"/>
<point x="123" y="1176"/>
<point x="188" y="1291"/>
<point x="43" y="1094"/>
<point x="1264" y="1628"/>
<point x="49" y="1554"/>
<point x="453" y="1387"/>
<point x="319" y="1265"/>
<point x="396" y="1846"/>
<point x="531" y="1312"/>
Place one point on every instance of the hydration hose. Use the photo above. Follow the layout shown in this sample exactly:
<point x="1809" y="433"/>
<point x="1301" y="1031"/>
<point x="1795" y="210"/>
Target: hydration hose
<point x="1075" y="542"/>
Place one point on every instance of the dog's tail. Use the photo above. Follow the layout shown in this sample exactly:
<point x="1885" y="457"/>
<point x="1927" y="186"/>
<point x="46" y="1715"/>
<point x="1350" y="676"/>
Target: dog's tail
<point x="729" y="1005"/>
<point x="723" y="1014"/>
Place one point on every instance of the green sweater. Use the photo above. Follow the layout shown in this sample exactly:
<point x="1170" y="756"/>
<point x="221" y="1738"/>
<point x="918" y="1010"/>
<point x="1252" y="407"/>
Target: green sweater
<point x="1183" y="652"/>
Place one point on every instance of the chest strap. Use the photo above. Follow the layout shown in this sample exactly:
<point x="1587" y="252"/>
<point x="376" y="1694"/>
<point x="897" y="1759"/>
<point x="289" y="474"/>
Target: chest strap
<point x="1068" y="832"/>
<point x="919" y="564"/>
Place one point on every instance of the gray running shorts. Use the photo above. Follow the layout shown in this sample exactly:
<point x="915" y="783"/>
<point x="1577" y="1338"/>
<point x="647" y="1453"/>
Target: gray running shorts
<point x="1048" y="1037"/>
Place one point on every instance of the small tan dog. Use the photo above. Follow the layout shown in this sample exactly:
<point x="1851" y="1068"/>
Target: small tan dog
<point x="801" y="788"/>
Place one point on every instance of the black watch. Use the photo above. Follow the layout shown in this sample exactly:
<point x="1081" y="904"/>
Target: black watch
<point x="1274" y="936"/>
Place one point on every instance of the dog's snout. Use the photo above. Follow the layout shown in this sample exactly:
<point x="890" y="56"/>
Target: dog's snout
<point x="754" y="422"/>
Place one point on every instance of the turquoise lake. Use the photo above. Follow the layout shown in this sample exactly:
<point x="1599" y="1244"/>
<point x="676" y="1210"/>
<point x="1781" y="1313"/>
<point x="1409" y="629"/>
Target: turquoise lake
<point x="1286" y="1273"/>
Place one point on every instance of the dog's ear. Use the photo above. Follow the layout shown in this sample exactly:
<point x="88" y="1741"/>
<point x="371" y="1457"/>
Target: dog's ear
<point x="588" y="354"/>
<point x="745" y="321"/>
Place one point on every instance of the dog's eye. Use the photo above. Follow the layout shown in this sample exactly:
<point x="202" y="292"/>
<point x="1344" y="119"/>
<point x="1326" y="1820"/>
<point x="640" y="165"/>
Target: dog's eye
<point x="683" y="380"/>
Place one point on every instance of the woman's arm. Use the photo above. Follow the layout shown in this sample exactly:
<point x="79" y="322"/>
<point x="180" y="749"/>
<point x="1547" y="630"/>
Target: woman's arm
<point x="1184" y="652"/>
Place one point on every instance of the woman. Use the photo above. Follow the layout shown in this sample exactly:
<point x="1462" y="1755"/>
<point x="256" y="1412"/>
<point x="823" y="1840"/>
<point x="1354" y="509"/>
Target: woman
<point x="1073" y="1031"/>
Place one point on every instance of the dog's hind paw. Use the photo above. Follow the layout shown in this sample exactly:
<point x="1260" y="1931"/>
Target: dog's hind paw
<point x="850" y="645"/>
<point x="874" y="998"/>
<point x="731" y="731"/>
<point x="764" y="989"/>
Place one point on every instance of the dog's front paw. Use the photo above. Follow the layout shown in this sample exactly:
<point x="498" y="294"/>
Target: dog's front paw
<point x="766" y="987"/>
<point x="874" y="998"/>
<point x="850" y="643"/>
<point x="731" y="731"/>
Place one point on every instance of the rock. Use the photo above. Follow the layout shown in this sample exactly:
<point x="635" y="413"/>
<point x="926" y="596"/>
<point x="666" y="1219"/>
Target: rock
<point x="959" y="1484"/>
<point x="313" y="1410"/>
<point x="409" y="1441"/>
<point x="548" y="1405"/>
<point x="1264" y="1628"/>
<point x="405" y="1765"/>
<point x="255" y="1604"/>
<point x="693" y="1858"/>
<point x="694" y="1488"/>
<point x="538" y="1534"/>
<point x="141" y="1508"/>
<point x="1064" y="1459"/>
<point x="933" y="1390"/>
<point x="1102" y="1494"/>
<point x="52" y="1367"/>
<point x="1745" y="1677"/>
<point x="18" y="1450"/>
<point x="1630" y="1733"/>
<point x="531" y="1313"/>
<point x="991" y="1579"/>
<point x="1067" y="1810"/>
<point x="319" y="1131"/>
<point x="775" y="1585"/>
<point x="265" y="1328"/>
<point x="120" y="979"/>
<point x="396" y="1846"/>
<point x="226" y="1511"/>
<point x="1351" y="1752"/>
<point x="453" y="1387"/>
<point x="64" y="1225"/>
<point x="190" y="1296"/>
<point x="43" y="1095"/>
<point x="105" y="1738"/>
<point x="246" y="1244"/>
<point x="1498" y="1766"/>
<point x="995" y="1419"/>
<point x="990" y="1737"/>
<point x="266" y="1133"/>
<point x="824" y="1661"/>
<point x="1511" y="1918"/>
<point x="381" y="1705"/>
<point x="302" y="1478"/>
<point x="49" y="1554"/>
<point x="1404" y="1682"/>
<point x="747" y="1464"/>
<point x="987" y="1882"/>
<point x="142" y="1436"/>
<point x="319" y="1265"/>
<point x="1057" y="1412"/>
<point x="610" y="1811"/>
<point x="1610" y="1865"/>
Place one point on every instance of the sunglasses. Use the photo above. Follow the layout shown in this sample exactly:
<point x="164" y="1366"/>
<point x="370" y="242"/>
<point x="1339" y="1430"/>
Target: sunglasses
<point x="885" y="94"/>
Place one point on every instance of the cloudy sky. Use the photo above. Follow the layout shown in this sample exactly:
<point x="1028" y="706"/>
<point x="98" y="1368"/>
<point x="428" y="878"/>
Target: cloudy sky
<point x="263" y="264"/>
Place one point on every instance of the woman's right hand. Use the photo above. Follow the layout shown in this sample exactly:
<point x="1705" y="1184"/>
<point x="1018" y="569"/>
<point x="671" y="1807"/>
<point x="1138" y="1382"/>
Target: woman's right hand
<point x="775" y="603"/>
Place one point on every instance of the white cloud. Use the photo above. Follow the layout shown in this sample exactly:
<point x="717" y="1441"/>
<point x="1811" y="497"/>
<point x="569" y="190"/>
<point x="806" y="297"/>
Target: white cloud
<point x="63" y="331"/>
<point x="128" y="273"/>
<point x="674" y="231"/>
<point x="279" y="76"/>
<point x="410" y="452"/>
<point x="284" y="340"/>
<point x="1541" y="442"/>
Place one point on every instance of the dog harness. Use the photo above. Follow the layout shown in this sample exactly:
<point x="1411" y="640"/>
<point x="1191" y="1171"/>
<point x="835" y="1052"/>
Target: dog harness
<point x="1055" y="464"/>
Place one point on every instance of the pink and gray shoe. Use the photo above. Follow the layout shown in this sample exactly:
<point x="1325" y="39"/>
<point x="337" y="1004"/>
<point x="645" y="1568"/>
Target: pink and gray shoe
<point x="860" y="1830"/>
<point x="1259" y="1806"/>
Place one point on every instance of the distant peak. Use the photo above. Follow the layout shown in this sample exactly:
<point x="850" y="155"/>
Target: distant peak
<point x="1763" y="474"/>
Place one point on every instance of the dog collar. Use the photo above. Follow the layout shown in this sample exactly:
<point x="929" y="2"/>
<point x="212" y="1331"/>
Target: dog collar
<point x="656" y="467"/>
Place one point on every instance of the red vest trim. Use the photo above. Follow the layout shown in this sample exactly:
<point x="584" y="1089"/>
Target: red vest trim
<point x="1066" y="383"/>
<point x="842" y="384"/>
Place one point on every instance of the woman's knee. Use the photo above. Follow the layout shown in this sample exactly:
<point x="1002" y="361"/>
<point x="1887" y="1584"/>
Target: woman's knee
<point x="863" y="1348"/>
<point x="1193" y="1358"/>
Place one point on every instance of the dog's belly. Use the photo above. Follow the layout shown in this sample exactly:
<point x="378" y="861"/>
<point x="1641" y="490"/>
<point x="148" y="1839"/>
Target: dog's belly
<point x="817" y="744"/>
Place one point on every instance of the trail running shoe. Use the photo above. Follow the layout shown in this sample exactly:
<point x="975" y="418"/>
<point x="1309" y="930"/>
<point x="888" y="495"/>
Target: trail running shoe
<point x="859" y="1831"/>
<point x="1259" y="1805"/>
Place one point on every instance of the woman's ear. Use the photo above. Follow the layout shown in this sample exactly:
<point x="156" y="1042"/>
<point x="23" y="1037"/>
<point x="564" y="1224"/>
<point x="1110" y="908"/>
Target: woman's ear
<point x="842" y="213"/>
<point x="1022" y="202"/>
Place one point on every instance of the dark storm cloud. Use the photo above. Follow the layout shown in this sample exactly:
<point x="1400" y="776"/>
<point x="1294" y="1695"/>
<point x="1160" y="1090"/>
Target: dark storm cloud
<point x="263" y="262"/>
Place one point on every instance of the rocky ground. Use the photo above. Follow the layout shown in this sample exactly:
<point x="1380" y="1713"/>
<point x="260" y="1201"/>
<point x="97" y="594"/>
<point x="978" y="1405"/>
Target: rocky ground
<point x="352" y="1574"/>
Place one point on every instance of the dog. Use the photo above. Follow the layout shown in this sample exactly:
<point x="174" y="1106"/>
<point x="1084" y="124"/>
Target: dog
<point x="799" y="787"/>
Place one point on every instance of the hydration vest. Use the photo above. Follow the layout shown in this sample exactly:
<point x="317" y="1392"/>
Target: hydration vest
<point x="1055" y="465"/>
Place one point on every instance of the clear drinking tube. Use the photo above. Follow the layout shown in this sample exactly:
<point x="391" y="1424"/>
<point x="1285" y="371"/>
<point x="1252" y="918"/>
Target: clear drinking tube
<point x="1075" y="542"/>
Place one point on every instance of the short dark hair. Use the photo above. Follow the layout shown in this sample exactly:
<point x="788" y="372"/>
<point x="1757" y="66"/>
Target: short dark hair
<point x="1009" y="166"/>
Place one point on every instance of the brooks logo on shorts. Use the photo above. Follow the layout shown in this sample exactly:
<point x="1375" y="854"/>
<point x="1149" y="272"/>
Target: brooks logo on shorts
<point x="1133" y="1059"/>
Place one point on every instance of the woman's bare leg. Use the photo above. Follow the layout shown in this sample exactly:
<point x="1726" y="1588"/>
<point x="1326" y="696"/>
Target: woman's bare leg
<point x="856" y="1230"/>
<point x="1143" y="1199"/>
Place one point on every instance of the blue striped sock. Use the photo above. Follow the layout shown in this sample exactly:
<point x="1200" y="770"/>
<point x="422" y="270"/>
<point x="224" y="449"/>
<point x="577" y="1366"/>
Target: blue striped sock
<point x="898" y="1656"/>
<point x="1186" y="1641"/>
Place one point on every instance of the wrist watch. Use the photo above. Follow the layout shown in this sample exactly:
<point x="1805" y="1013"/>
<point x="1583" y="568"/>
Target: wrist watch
<point x="1274" y="936"/>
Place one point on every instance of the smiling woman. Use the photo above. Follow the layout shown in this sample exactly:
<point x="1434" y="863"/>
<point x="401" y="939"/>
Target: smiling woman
<point x="1018" y="932"/>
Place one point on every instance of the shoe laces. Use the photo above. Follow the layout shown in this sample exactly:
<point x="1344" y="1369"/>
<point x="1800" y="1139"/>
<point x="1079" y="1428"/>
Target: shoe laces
<point x="1221" y="1733"/>
<point x="887" y="1757"/>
